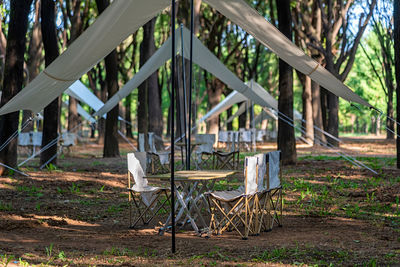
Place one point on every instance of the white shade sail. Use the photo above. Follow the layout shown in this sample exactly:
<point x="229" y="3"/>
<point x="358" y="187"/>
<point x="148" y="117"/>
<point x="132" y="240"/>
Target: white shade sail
<point x="201" y="56"/>
<point x="80" y="92"/>
<point x="239" y="12"/>
<point x="124" y="17"/>
<point x="81" y="111"/>
<point x="114" y="25"/>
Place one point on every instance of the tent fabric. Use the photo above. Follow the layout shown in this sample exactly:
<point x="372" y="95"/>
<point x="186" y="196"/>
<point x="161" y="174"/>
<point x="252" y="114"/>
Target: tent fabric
<point x="155" y="62"/>
<point x="240" y="111"/>
<point x="80" y="92"/>
<point x="252" y="22"/>
<point x="269" y="98"/>
<point x="81" y="111"/>
<point x="122" y="18"/>
<point x="231" y="99"/>
<point x="114" y="25"/>
<point x="201" y="56"/>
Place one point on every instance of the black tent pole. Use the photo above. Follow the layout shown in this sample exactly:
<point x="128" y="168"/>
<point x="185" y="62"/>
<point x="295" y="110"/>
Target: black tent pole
<point x="172" y="133"/>
<point x="190" y="80"/>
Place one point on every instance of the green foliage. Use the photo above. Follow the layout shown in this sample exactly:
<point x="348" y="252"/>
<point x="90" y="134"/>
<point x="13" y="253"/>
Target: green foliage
<point x="5" y="206"/>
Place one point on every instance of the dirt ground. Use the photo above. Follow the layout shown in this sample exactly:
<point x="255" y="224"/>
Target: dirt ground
<point x="77" y="215"/>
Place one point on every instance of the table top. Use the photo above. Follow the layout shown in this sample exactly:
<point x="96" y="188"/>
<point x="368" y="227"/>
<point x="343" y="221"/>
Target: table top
<point x="194" y="175"/>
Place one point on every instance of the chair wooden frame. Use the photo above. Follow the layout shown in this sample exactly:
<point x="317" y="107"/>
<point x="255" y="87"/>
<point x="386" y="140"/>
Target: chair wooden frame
<point x="269" y="207"/>
<point x="228" y="160"/>
<point x="233" y="213"/>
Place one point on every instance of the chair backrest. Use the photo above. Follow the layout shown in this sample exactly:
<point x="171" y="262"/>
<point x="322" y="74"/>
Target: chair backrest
<point x="273" y="135"/>
<point x="251" y="175"/>
<point x="135" y="168"/>
<point x="24" y="139"/>
<point x="223" y="136"/>
<point x="260" y="135"/>
<point x="273" y="158"/>
<point x="68" y="139"/>
<point x="142" y="157"/>
<point x="245" y="136"/>
<point x="262" y="170"/>
<point x="207" y="141"/>
<point x="234" y="138"/>
<point x="152" y="143"/>
<point x="37" y="138"/>
<point x="141" y="143"/>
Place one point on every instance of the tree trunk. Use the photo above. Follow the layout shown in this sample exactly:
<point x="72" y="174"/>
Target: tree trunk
<point x="51" y="112"/>
<point x="128" y="116"/>
<point x="111" y="148"/>
<point x="242" y="117"/>
<point x="308" y="123"/>
<point x="317" y="113"/>
<point x="390" y="112"/>
<point x="229" y="125"/>
<point x="154" y="98"/>
<point x="214" y="97"/>
<point x="396" y="16"/>
<point x="13" y="78"/>
<point x="286" y="138"/>
<point x="34" y="57"/>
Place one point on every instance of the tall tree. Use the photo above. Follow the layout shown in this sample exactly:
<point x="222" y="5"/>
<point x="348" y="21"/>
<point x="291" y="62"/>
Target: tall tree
<point x="111" y="148"/>
<point x="34" y="56"/>
<point x="51" y="112"/>
<point x="286" y="139"/>
<point x="339" y="49"/>
<point x="383" y="28"/>
<point x="13" y="77"/>
<point x="153" y="91"/>
<point x="396" y="16"/>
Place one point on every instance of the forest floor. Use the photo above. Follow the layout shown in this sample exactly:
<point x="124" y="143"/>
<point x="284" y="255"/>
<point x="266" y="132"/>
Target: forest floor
<point x="76" y="214"/>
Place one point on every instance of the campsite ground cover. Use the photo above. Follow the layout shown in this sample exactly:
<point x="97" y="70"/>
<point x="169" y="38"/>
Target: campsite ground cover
<point x="77" y="215"/>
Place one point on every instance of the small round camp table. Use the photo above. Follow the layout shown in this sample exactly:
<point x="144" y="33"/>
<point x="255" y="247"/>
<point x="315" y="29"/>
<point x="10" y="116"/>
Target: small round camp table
<point x="189" y="187"/>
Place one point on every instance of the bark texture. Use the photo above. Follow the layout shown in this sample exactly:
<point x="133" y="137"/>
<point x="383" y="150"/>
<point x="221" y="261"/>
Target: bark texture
<point x="111" y="148"/>
<point x="13" y="78"/>
<point x="286" y="138"/>
<point x="51" y="112"/>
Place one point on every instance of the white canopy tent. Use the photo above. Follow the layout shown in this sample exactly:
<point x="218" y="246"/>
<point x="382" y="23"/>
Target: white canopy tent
<point x="81" y="111"/>
<point x="235" y="97"/>
<point x="201" y="56"/>
<point x="80" y="92"/>
<point x="122" y="18"/>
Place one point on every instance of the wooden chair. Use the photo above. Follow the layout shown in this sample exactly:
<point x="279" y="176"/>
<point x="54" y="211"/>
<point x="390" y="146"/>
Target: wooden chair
<point x="146" y="200"/>
<point x="233" y="210"/>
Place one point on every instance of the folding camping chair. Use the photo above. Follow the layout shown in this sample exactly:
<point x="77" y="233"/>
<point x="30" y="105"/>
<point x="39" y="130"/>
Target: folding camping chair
<point x="147" y="200"/>
<point x="205" y="150"/>
<point x="223" y="137"/>
<point x="159" y="159"/>
<point x="246" y="139"/>
<point x="228" y="160"/>
<point x="24" y="142"/>
<point x="234" y="209"/>
<point x="36" y="140"/>
<point x="269" y="205"/>
<point x="67" y="140"/>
